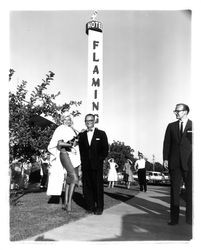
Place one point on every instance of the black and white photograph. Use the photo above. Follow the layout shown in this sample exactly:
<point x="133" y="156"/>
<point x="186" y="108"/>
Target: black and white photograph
<point x="101" y="125"/>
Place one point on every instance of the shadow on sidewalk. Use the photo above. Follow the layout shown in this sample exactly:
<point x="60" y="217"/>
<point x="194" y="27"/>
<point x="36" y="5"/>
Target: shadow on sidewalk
<point x="42" y="238"/>
<point x="137" y="227"/>
<point x="150" y="224"/>
<point x="119" y="196"/>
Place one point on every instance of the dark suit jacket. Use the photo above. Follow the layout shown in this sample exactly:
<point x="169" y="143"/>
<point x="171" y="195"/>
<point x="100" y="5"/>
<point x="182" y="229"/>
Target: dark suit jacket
<point x="92" y="156"/>
<point x="178" y="150"/>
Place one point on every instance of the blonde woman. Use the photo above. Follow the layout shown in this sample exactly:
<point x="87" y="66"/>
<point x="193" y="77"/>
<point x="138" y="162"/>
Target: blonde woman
<point x="64" y="159"/>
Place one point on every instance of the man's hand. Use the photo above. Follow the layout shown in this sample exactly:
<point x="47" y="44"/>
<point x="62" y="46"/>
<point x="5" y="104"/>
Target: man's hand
<point x="165" y="164"/>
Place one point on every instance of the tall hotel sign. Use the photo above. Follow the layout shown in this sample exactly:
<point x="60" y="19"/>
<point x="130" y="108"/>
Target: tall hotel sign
<point x="94" y="30"/>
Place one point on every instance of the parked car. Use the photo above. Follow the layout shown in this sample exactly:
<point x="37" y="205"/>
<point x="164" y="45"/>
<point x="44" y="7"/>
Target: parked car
<point x="135" y="176"/>
<point x="120" y="177"/>
<point x="154" y="177"/>
<point x="105" y="178"/>
<point x="167" y="177"/>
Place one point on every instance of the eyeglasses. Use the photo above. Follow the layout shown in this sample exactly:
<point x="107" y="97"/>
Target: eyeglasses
<point x="177" y="111"/>
<point x="89" y="120"/>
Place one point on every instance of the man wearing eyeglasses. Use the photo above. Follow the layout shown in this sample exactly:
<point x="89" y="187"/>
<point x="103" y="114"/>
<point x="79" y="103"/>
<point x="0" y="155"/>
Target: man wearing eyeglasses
<point x="177" y="156"/>
<point x="93" y="144"/>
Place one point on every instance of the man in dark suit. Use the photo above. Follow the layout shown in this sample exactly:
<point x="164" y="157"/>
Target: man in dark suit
<point x="177" y="156"/>
<point x="93" y="146"/>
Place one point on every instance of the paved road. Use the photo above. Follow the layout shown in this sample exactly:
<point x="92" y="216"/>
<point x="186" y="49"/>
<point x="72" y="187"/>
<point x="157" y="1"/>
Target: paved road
<point x="141" y="218"/>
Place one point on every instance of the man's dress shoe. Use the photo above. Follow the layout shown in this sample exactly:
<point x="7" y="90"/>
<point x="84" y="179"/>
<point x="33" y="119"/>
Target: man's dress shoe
<point x="98" y="212"/>
<point x="189" y="222"/>
<point x="89" y="212"/>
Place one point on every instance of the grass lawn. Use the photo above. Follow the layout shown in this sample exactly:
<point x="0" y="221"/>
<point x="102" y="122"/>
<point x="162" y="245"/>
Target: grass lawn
<point x="34" y="214"/>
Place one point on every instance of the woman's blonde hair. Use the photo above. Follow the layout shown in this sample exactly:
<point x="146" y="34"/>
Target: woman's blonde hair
<point x="64" y="118"/>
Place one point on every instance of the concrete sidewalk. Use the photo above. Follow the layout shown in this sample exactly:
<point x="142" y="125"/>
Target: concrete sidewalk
<point x="142" y="218"/>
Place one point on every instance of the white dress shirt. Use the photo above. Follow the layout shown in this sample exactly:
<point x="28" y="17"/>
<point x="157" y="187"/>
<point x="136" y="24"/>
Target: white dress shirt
<point x="140" y="164"/>
<point x="184" y="123"/>
<point x="90" y="135"/>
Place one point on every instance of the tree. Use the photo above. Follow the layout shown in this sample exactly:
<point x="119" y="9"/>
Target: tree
<point x="158" y="167"/>
<point x="120" y="152"/>
<point x="149" y="166"/>
<point x="25" y="137"/>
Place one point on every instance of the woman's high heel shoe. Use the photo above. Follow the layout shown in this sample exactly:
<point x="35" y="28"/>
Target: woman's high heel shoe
<point x="68" y="209"/>
<point x="64" y="207"/>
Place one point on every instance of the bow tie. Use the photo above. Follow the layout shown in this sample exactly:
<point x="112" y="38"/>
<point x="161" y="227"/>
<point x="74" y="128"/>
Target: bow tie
<point x="89" y="130"/>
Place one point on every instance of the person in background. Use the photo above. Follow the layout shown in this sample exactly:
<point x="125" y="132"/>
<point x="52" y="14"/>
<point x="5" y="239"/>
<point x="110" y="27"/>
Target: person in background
<point x="94" y="147"/>
<point x="27" y="170"/>
<point x="141" y="171"/>
<point x="128" y="173"/>
<point x="44" y="168"/>
<point x="177" y="157"/>
<point x="112" y="174"/>
<point x="64" y="157"/>
<point x="35" y="174"/>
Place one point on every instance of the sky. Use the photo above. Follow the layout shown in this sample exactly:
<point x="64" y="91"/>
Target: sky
<point x="146" y="66"/>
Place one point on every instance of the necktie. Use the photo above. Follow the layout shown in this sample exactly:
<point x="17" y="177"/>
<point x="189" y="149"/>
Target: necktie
<point x="90" y="129"/>
<point x="181" y="129"/>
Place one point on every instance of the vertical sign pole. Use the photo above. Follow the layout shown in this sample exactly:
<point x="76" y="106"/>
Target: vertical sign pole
<point x="95" y="68"/>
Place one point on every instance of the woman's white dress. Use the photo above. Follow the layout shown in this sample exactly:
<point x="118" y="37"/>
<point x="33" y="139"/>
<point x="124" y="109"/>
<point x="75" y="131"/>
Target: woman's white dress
<point x="112" y="174"/>
<point x="56" y="171"/>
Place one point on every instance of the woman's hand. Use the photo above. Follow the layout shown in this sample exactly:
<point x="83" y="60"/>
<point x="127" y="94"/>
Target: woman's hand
<point x="61" y="144"/>
<point x="74" y="151"/>
<point x="75" y="143"/>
